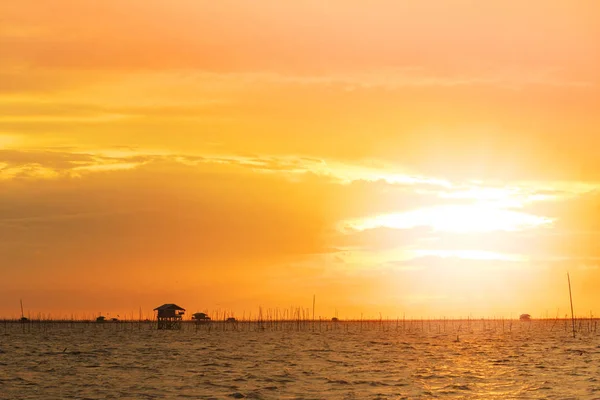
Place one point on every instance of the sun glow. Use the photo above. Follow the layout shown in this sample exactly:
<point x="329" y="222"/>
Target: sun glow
<point x="455" y="218"/>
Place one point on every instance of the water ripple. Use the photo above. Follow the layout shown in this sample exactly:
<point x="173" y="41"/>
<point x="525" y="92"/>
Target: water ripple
<point x="531" y="361"/>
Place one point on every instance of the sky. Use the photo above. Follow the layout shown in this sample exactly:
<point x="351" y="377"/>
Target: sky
<point x="418" y="158"/>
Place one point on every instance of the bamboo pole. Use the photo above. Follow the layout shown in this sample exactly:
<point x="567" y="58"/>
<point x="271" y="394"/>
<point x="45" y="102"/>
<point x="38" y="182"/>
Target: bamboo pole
<point x="571" y="300"/>
<point x="313" y="316"/>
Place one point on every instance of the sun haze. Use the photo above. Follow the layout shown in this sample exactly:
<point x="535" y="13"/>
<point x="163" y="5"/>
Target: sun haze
<point x="423" y="158"/>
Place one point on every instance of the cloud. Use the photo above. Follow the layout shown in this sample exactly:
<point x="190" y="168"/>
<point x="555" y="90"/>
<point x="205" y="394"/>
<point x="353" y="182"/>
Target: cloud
<point x="132" y="207"/>
<point x="251" y="222"/>
<point x="510" y="103"/>
<point x="382" y="238"/>
<point x="51" y="164"/>
<point x="154" y="218"/>
<point x="295" y="36"/>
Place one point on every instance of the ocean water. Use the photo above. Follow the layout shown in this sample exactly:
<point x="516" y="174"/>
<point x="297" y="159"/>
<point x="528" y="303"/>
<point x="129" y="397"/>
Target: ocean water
<point x="347" y="360"/>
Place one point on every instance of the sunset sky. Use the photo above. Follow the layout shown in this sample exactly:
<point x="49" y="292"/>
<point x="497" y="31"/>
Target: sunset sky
<point x="420" y="157"/>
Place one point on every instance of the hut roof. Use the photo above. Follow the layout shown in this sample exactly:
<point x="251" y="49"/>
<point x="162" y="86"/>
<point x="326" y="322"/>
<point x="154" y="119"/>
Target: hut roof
<point x="169" y="306"/>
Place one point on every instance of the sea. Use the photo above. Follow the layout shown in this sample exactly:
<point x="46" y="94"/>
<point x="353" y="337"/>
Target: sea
<point x="443" y="359"/>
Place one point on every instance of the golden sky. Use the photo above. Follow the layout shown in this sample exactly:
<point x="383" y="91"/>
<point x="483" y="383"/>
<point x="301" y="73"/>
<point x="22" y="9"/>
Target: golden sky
<point x="420" y="157"/>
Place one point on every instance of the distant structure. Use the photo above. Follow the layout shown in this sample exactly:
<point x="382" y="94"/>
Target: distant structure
<point x="169" y="316"/>
<point x="201" y="318"/>
<point x="23" y="318"/>
<point x="230" y="319"/>
<point x="525" y="317"/>
<point x="335" y="319"/>
<point x="101" y="319"/>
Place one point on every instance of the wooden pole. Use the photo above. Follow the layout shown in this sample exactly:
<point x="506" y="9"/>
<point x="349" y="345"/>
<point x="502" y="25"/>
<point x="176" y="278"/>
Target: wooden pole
<point x="313" y="319"/>
<point x="571" y="299"/>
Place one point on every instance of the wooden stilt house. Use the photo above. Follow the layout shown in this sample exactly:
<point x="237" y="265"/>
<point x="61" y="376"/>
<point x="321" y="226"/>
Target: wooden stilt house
<point x="169" y="316"/>
<point x="525" y="317"/>
<point x="201" y="318"/>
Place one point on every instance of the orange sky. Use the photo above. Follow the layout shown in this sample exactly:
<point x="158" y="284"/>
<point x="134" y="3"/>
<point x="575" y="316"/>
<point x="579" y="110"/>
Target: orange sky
<point x="434" y="158"/>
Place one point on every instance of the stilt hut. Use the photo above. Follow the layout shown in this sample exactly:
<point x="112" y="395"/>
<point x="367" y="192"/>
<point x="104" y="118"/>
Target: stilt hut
<point x="201" y="318"/>
<point x="169" y="316"/>
<point x="525" y="317"/>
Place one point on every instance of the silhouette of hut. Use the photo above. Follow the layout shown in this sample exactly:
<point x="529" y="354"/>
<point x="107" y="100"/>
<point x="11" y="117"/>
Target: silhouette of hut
<point x="201" y="317"/>
<point x="169" y="316"/>
<point x="101" y="319"/>
<point x="525" y="317"/>
<point x="230" y="319"/>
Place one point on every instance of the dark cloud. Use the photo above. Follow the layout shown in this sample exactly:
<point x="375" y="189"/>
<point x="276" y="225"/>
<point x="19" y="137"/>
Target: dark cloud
<point x="59" y="160"/>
